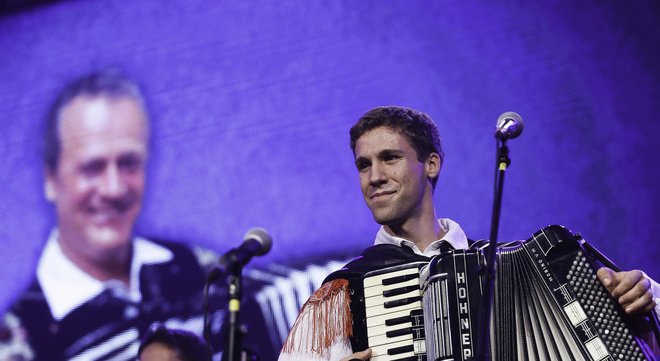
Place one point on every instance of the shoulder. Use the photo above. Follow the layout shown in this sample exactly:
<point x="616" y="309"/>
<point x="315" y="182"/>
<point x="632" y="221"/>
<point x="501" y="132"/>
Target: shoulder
<point x="31" y="302"/>
<point x="177" y="248"/>
<point x="180" y="253"/>
<point x="26" y="325"/>
<point x="182" y="269"/>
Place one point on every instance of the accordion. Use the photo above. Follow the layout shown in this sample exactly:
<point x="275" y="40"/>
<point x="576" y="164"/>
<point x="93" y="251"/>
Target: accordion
<point x="548" y="305"/>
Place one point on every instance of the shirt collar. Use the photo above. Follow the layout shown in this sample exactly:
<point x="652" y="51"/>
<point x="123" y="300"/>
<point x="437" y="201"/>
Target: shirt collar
<point x="453" y="234"/>
<point x="67" y="287"/>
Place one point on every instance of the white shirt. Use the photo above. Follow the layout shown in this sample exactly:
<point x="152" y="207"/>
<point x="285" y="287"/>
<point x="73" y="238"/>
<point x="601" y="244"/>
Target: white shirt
<point x="453" y="234"/>
<point x="67" y="287"/>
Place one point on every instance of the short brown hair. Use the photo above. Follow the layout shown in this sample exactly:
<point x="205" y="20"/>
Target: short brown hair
<point x="418" y="127"/>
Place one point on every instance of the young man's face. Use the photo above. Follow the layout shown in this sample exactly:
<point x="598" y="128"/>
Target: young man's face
<point x="394" y="183"/>
<point x="98" y="184"/>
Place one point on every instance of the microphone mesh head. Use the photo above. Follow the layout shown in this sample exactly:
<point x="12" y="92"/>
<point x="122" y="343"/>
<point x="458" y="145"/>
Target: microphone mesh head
<point x="262" y="236"/>
<point x="509" y="125"/>
<point x="512" y="115"/>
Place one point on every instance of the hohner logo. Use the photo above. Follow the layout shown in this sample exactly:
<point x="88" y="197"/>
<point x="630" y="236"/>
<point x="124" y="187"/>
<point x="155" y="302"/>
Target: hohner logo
<point x="543" y="267"/>
<point x="464" y="314"/>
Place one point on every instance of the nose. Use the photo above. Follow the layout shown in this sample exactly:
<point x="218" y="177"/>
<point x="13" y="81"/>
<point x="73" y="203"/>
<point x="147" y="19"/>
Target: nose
<point x="112" y="183"/>
<point x="377" y="175"/>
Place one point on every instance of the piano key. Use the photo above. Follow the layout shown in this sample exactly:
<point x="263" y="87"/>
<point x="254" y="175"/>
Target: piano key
<point x="380" y="300"/>
<point x="401" y="349"/>
<point x="402" y="301"/>
<point x="384" y="340"/>
<point x="399" y="332"/>
<point x="382" y="350"/>
<point x="398" y="320"/>
<point x="399" y="279"/>
<point x="400" y="291"/>
<point x="377" y="310"/>
<point x="392" y="277"/>
<point x="405" y="357"/>
<point x="378" y="290"/>
<point x="417" y="330"/>
<point x="380" y="320"/>
<point x="409" y="358"/>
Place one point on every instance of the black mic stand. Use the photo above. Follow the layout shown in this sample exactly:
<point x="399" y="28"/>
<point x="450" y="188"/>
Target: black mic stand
<point x="503" y="161"/>
<point x="234" y="337"/>
<point x="232" y="330"/>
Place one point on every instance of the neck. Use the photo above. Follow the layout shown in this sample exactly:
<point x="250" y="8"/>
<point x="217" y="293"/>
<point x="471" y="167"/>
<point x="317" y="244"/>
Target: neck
<point x="421" y="231"/>
<point x="114" y="264"/>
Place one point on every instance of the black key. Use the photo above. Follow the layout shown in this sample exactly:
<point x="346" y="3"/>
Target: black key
<point x="399" y="291"/>
<point x="401" y="349"/>
<point x="397" y="320"/>
<point x="401" y="302"/>
<point x="399" y="332"/>
<point x="399" y="279"/>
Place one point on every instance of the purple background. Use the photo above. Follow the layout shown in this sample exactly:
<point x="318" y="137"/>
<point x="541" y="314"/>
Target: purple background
<point x="252" y="101"/>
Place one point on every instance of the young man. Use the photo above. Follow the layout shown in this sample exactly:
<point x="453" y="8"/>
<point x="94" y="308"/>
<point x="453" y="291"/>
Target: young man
<point x="398" y="156"/>
<point x="98" y="287"/>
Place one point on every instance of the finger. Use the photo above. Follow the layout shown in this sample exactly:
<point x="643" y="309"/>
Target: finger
<point x="640" y="304"/>
<point x="642" y="287"/>
<point x="363" y="355"/>
<point x="606" y="277"/>
<point x="626" y="281"/>
<point x="360" y="356"/>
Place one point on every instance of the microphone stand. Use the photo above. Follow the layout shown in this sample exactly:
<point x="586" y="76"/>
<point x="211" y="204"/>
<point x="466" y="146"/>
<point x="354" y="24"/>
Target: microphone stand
<point x="233" y="341"/>
<point x="503" y="161"/>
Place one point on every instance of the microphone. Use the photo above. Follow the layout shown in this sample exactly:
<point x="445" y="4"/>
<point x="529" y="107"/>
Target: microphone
<point x="256" y="242"/>
<point x="509" y="126"/>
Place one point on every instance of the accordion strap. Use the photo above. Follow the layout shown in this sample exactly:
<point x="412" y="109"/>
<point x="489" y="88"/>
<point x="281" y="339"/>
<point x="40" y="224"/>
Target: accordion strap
<point x="374" y="258"/>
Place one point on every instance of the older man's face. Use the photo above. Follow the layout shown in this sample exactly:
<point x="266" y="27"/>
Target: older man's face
<point x="98" y="185"/>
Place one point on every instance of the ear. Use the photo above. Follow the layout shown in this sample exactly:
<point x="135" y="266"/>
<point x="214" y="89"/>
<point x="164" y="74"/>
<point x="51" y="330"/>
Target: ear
<point x="433" y="165"/>
<point x="49" y="186"/>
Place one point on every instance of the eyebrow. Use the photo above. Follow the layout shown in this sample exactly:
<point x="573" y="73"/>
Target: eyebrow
<point x="385" y="152"/>
<point x="130" y="154"/>
<point x="380" y="155"/>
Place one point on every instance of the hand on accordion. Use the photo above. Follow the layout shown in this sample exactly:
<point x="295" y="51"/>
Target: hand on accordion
<point x="631" y="288"/>
<point x="360" y="356"/>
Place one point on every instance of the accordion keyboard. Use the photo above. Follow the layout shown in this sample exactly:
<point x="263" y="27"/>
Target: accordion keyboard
<point x="395" y="325"/>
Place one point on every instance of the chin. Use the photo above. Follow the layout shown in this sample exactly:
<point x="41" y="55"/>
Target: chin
<point x="109" y="238"/>
<point x="384" y="219"/>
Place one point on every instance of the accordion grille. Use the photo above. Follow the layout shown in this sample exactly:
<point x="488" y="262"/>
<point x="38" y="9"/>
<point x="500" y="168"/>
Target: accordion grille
<point x="602" y="310"/>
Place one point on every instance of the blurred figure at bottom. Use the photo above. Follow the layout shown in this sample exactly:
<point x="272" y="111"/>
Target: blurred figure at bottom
<point x="163" y="344"/>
